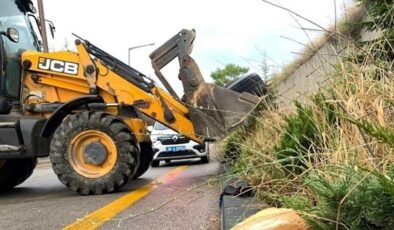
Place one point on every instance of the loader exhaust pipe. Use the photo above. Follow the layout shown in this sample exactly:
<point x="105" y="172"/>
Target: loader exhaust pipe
<point x="43" y="27"/>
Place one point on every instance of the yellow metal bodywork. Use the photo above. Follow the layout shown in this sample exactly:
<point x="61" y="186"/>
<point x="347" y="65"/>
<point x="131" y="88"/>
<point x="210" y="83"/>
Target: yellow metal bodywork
<point x="50" y="86"/>
<point x="138" y="126"/>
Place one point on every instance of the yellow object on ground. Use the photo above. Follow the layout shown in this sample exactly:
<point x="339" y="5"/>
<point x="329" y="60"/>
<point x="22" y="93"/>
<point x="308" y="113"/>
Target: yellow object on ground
<point x="273" y="219"/>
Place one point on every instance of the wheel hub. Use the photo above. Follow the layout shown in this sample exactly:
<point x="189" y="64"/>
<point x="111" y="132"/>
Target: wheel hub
<point x="92" y="153"/>
<point x="95" y="153"/>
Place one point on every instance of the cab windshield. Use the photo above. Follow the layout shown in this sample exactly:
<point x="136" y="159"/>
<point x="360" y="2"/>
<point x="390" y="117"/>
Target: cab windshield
<point x="13" y="15"/>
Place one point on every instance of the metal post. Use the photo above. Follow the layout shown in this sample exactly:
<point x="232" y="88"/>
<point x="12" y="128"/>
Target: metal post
<point x="43" y="25"/>
<point x="135" y="47"/>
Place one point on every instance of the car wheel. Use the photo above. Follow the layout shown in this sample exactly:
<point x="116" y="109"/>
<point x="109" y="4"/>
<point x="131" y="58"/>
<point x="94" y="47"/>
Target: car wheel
<point x="205" y="159"/>
<point x="155" y="163"/>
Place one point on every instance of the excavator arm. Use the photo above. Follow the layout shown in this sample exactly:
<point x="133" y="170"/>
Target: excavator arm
<point x="178" y="46"/>
<point x="206" y="112"/>
<point x="214" y="111"/>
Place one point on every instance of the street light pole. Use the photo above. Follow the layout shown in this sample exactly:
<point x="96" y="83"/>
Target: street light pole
<point x="136" y="47"/>
<point x="43" y="26"/>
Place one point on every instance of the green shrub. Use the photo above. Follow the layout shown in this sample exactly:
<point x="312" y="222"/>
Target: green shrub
<point x="382" y="134"/>
<point x="232" y="145"/>
<point x="299" y="138"/>
<point x="331" y="160"/>
<point x="357" y="199"/>
<point x="381" y="16"/>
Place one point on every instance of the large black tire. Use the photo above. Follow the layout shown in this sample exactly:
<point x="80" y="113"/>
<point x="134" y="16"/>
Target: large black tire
<point x="146" y="158"/>
<point x="206" y="159"/>
<point x="127" y="153"/>
<point x="155" y="163"/>
<point x="251" y="83"/>
<point x="14" y="172"/>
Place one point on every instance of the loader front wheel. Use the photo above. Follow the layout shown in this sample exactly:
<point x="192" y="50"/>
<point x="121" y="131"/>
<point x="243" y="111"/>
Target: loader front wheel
<point x="94" y="153"/>
<point x="15" y="171"/>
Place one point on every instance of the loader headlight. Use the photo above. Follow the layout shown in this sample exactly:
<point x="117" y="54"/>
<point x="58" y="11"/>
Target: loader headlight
<point x="153" y="139"/>
<point x="13" y="34"/>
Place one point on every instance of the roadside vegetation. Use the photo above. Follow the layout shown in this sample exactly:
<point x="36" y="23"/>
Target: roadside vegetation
<point x="227" y="74"/>
<point x="331" y="159"/>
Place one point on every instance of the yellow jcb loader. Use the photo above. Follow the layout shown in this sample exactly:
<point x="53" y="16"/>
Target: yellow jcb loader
<point x="86" y="110"/>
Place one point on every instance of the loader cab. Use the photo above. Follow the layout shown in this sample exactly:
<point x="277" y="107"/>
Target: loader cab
<point x="14" y="18"/>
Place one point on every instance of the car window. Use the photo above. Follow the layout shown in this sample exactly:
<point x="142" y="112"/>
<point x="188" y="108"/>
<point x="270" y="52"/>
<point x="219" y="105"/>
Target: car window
<point x="159" y="126"/>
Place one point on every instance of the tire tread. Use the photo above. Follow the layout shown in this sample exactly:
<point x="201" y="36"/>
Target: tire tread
<point x="127" y="160"/>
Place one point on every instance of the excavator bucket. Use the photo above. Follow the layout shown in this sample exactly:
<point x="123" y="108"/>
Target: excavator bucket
<point x="214" y="111"/>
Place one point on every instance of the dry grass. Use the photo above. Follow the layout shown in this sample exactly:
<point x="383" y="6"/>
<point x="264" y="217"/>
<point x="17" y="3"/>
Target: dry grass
<point x="332" y="159"/>
<point x="357" y="91"/>
<point x="362" y="92"/>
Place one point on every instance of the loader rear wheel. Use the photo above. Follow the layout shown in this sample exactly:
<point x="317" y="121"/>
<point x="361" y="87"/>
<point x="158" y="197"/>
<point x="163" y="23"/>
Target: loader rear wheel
<point x="146" y="158"/>
<point x="94" y="153"/>
<point x="14" y="172"/>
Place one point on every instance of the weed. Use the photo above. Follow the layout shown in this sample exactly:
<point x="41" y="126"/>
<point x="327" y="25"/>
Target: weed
<point x="332" y="160"/>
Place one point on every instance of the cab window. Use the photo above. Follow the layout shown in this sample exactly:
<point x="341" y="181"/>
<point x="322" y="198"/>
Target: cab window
<point x="13" y="15"/>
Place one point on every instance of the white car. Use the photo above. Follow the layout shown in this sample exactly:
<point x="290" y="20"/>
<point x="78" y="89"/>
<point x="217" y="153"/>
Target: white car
<point x="169" y="145"/>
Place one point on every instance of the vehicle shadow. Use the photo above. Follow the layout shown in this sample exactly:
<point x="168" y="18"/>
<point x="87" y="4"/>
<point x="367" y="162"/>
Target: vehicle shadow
<point x="60" y="191"/>
<point x="28" y="193"/>
<point x="54" y="188"/>
<point x="175" y="163"/>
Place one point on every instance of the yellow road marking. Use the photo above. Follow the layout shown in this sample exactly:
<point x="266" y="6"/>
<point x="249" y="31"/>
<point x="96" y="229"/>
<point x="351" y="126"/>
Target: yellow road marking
<point x="106" y="213"/>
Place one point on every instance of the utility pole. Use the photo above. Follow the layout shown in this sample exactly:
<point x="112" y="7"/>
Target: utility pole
<point x="43" y="26"/>
<point x="136" y="47"/>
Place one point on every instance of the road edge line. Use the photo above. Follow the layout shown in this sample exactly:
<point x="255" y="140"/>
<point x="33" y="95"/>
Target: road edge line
<point x="102" y="215"/>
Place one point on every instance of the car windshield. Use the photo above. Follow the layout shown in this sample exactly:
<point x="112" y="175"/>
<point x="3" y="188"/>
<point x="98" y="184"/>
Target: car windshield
<point x="159" y="126"/>
<point x="13" y="15"/>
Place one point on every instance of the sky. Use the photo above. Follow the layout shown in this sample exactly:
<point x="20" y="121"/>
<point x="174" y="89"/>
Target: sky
<point x="228" y="31"/>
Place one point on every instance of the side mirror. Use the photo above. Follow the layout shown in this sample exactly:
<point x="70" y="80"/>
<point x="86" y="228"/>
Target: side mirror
<point x="52" y="27"/>
<point x="31" y="8"/>
<point x="12" y="34"/>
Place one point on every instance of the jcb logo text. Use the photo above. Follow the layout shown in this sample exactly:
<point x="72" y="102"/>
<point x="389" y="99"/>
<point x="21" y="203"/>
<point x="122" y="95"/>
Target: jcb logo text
<point x="58" y="66"/>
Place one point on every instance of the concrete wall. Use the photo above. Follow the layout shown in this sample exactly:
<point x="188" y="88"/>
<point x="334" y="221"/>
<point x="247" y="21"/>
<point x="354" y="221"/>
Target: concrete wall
<point x="310" y="76"/>
<point x="314" y="72"/>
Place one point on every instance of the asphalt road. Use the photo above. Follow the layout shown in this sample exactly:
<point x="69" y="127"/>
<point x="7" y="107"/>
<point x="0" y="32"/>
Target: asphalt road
<point x="182" y="200"/>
